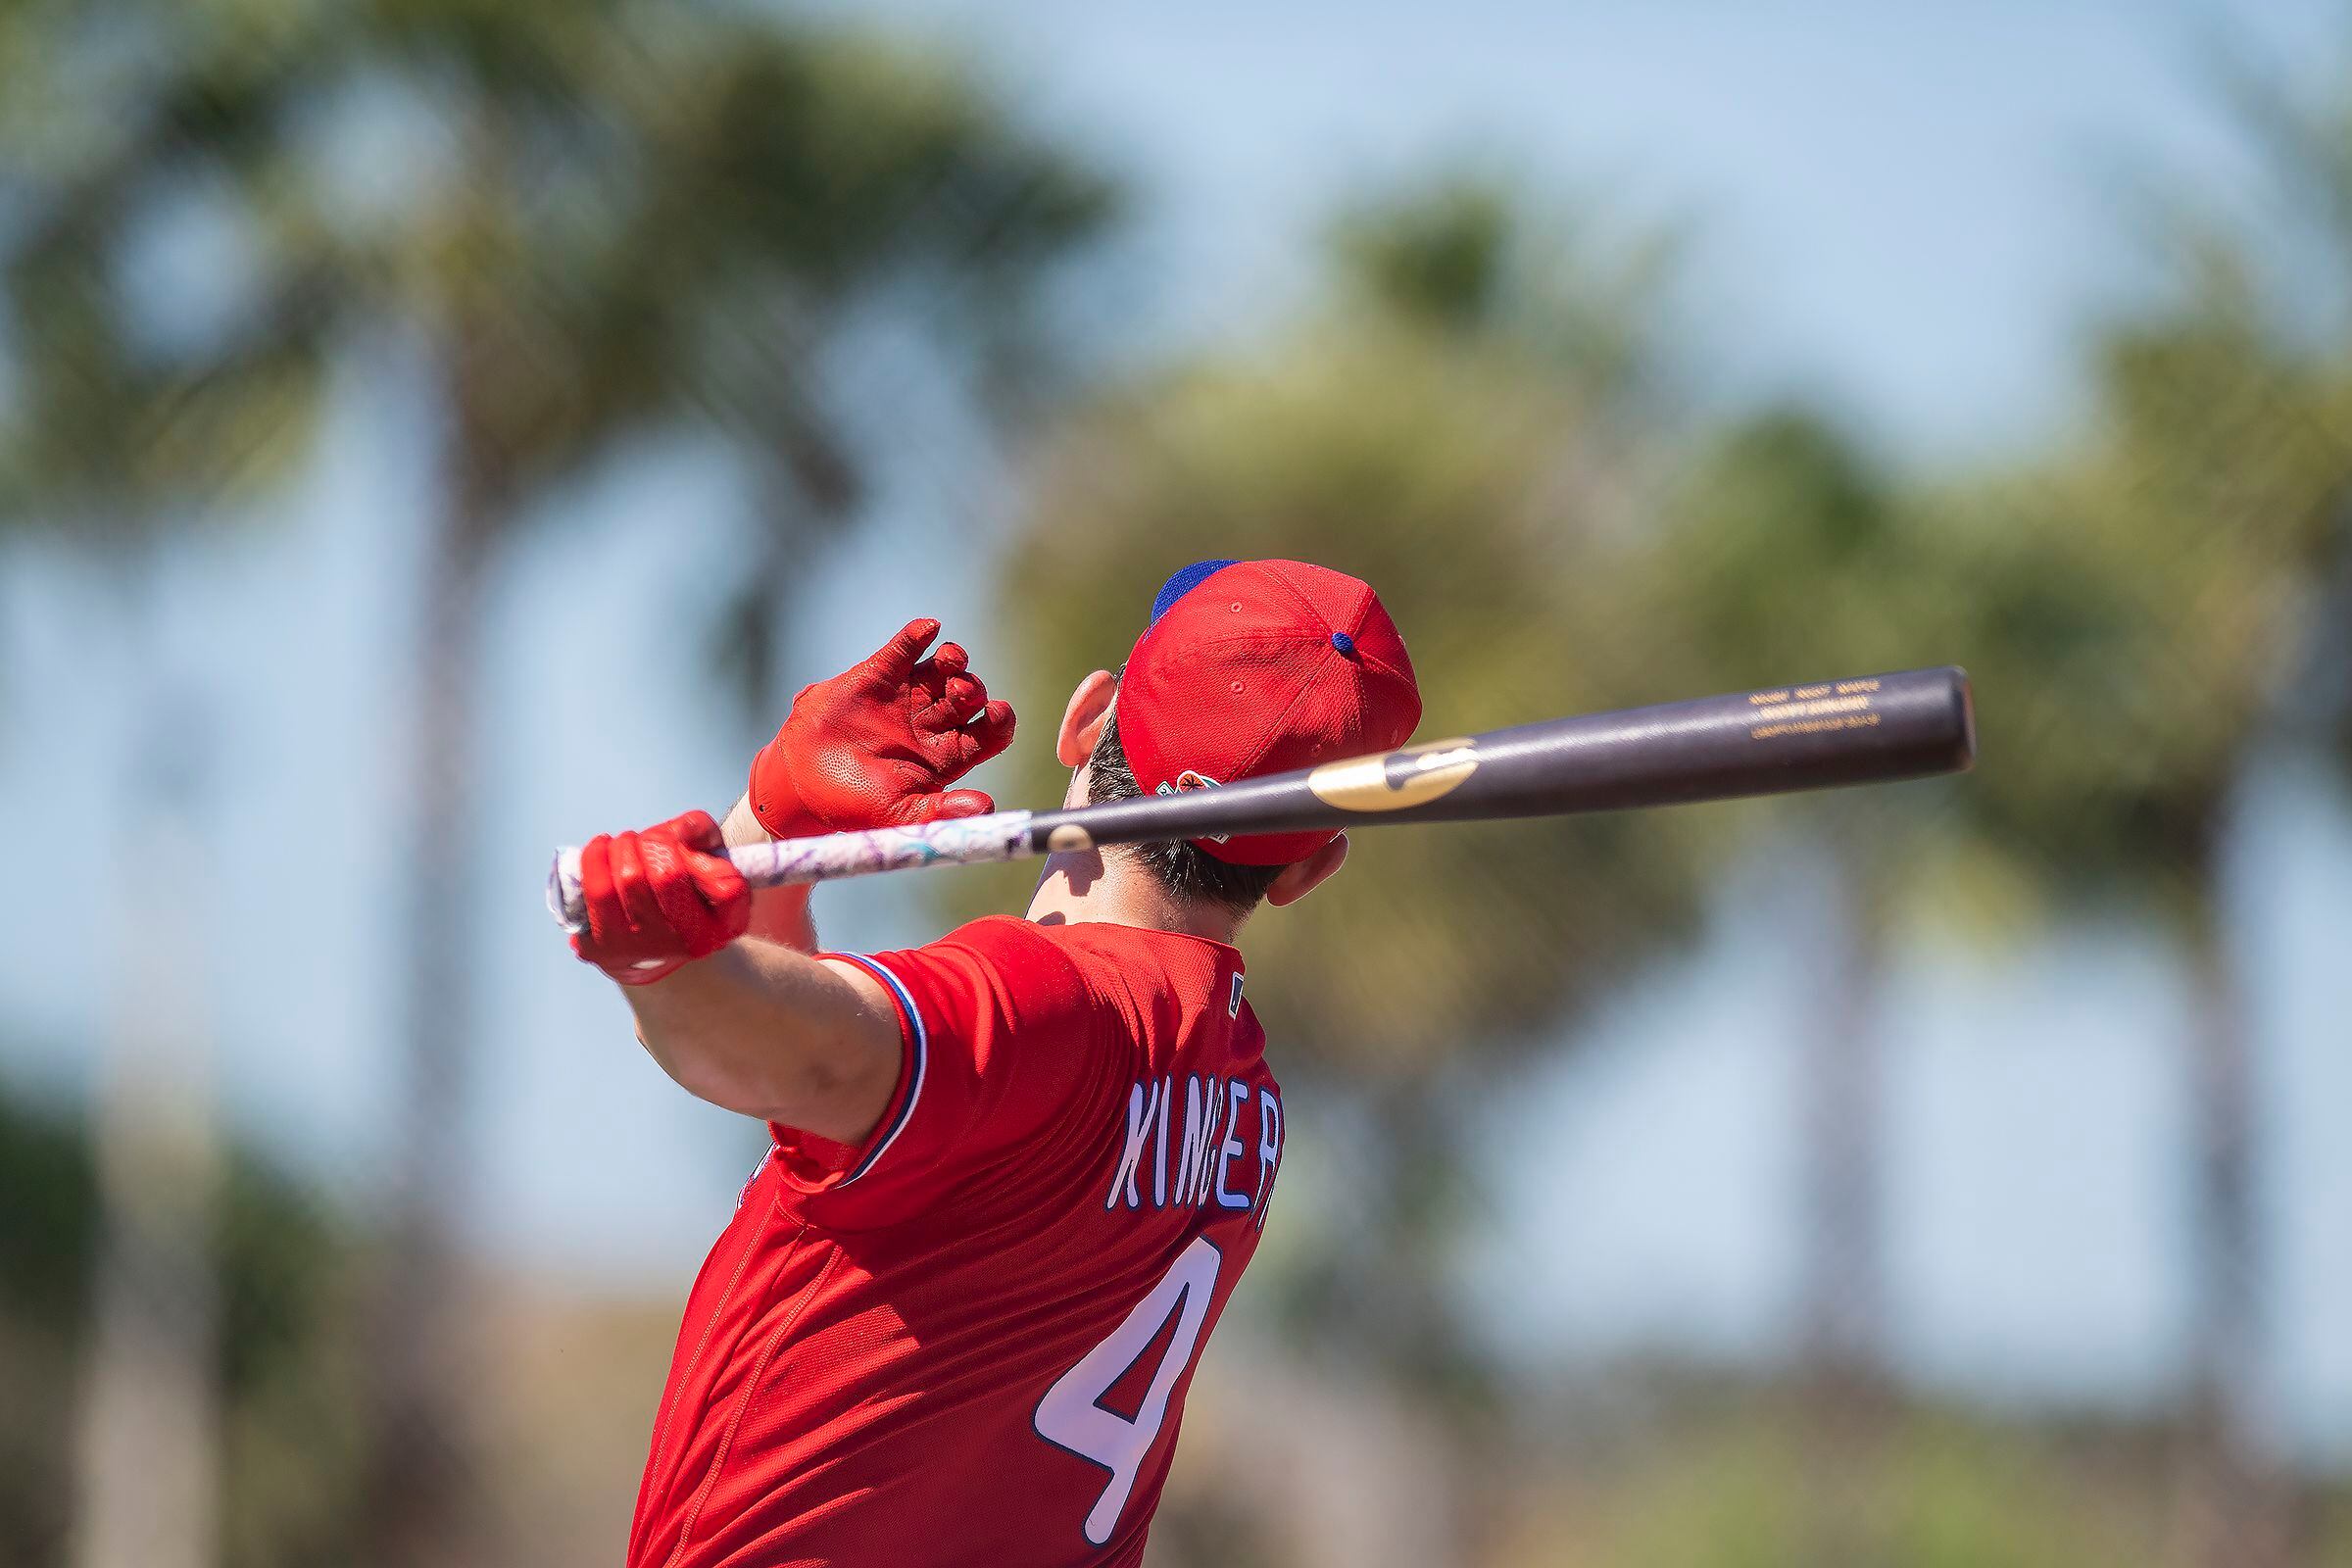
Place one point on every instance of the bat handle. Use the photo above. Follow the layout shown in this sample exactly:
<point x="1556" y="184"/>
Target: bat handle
<point x="830" y="856"/>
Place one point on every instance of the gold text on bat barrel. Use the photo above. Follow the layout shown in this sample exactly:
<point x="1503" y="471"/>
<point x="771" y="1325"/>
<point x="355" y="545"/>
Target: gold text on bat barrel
<point x="1813" y="727"/>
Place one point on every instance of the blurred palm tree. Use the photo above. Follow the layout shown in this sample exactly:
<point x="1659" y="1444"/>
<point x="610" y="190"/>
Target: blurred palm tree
<point x="576" y="223"/>
<point x="2172" y="600"/>
<point x="279" y="1261"/>
<point x="1795" y="558"/>
<point x="2148" y="620"/>
<point x="2136" y="610"/>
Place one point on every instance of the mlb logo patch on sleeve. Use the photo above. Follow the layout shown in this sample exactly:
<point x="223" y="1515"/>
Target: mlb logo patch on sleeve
<point x="1233" y="1003"/>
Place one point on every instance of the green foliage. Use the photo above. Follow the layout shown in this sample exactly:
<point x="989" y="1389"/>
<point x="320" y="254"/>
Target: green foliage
<point x="1486" y="492"/>
<point x="2139" y="610"/>
<point x="46" y="1228"/>
<point x="2134" y="607"/>
<point x="1741" y="1487"/>
<point x="1474" y="257"/>
<point x="284" y="1266"/>
<point x="1442" y="255"/>
<point x="1790" y="556"/>
<point x="47" y="1241"/>
<point x="602" y="216"/>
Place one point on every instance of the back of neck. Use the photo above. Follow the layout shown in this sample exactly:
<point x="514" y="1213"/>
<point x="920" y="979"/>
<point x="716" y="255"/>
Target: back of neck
<point x="1092" y="886"/>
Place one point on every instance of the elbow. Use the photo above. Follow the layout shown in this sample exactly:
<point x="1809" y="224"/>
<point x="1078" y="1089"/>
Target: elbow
<point x="812" y="1096"/>
<point x="707" y="1072"/>
<point x="776" y="1086"/>
<point x="721" y="1084"/>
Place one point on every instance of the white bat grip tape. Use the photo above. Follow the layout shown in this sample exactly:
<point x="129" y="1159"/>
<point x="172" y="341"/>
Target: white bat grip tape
<point x="830" y="856"/>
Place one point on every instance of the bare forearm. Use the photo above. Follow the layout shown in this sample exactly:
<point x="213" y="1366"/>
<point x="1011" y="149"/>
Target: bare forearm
<point x="769" y="1033"/>
<point x="779" y="915"/>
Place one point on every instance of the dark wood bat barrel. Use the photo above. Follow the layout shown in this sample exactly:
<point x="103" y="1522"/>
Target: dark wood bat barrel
<point x="1865" y="730"/>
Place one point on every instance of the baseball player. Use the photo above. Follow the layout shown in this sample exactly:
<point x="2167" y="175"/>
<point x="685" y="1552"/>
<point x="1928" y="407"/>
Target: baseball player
<point x="1015" y="1172"/>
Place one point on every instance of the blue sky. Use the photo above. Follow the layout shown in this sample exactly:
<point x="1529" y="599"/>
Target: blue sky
<point x="1900" y="211"/>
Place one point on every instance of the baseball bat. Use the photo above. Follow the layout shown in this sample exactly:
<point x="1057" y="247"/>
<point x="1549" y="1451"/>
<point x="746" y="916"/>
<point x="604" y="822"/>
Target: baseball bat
<point x="1869" y="730"/>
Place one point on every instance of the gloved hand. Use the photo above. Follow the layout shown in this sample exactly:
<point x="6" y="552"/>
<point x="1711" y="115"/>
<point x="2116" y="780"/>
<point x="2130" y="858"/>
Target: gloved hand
<point x="659" y="898"/>
<point x="879" y="745"/>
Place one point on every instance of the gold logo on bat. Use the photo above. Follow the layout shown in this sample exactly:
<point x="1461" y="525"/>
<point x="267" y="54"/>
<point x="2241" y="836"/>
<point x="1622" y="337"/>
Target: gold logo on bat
<point x="1361" y="784"/>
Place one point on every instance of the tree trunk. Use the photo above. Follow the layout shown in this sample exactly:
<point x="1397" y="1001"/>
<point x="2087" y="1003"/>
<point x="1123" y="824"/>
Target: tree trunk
<point x="1843" y="1286"/>
<point x="2237" y="1491"/>
<point x="423" y="1485"/>
<point x="148" y="1463"/>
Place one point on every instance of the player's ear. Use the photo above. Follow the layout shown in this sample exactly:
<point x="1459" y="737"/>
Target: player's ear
<point x="1296" y="881"/>
<point x="1082" y="722"/>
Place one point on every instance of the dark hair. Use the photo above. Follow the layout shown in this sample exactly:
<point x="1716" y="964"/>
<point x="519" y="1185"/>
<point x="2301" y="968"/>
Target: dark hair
<point x="1183" y="868"/>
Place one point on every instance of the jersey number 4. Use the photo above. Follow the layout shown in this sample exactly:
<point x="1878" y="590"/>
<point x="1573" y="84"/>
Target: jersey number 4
<point x="1071" y="1414"/>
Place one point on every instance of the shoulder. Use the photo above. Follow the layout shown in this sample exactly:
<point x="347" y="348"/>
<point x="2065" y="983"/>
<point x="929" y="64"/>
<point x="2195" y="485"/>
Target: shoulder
<point x="1013" y="946"/>
<point x="1009" y="963"/>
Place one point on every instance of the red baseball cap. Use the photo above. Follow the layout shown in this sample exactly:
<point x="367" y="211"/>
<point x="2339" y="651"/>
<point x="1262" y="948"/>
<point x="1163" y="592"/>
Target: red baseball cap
<point x="1262" y="666"/>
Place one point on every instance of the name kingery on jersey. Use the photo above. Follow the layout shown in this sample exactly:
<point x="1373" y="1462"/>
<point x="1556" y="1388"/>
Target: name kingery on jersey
<point x="1208" y="1158"/>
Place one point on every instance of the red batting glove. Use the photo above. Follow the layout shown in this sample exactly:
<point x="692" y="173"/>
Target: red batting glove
<point x="879" y="745"/>
<point x="658" y="899"/>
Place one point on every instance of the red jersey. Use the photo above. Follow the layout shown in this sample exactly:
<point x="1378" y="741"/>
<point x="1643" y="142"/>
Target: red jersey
<point x="969" y="1340"/>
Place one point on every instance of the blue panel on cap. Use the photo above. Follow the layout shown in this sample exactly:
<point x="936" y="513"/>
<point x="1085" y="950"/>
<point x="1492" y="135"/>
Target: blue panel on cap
<point x="1184" y="582"/>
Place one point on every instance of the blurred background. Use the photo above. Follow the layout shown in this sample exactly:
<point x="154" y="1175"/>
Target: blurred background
<point x="432" y="430"/>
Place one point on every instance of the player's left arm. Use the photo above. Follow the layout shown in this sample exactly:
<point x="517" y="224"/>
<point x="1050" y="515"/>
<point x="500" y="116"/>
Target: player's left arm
<point x="753" y="1026"/>
<point x="759" y="1026"/>
<point x="761" y="1029"/>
